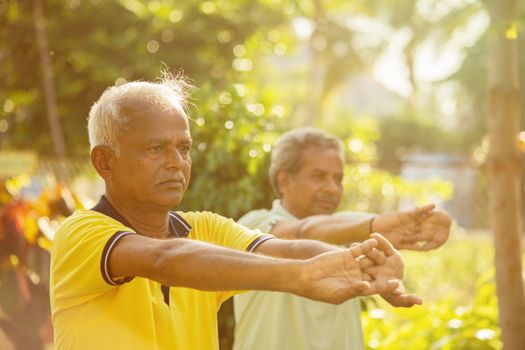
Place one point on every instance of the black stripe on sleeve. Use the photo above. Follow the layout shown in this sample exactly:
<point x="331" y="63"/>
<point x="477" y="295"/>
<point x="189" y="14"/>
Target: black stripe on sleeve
<point x="104" y="260"/>
<point x="182" y="227"/>
<point x="257" y="242"/>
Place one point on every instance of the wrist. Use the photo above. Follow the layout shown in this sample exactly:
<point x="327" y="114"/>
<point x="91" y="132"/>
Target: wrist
<point x="301" y="282"/>
<point x="371" y="225"/>
<point x="292" y="276"/>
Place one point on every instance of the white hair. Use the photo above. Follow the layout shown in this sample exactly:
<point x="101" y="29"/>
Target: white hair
<point x="107" y="119"/>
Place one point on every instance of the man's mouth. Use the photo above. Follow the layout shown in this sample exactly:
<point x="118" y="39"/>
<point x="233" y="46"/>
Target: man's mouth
<point x="327" y="202"/>
<point x="174" y="181"/>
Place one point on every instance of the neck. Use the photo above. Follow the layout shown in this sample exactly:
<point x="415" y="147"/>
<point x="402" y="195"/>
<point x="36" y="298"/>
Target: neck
<point x="148" y="220"/>
<point x="290" y="209"/>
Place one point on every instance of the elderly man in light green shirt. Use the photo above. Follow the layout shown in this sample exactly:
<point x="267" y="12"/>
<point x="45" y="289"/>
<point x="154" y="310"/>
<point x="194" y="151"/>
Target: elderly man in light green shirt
<point x="306" y="172"/>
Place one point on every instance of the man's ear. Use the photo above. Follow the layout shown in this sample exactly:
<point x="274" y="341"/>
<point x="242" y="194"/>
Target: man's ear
<point x="283" y="179"/>
<point x="102" y="159"/>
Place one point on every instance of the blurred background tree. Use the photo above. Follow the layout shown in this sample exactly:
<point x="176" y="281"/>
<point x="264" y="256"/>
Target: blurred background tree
<point x="396" y="80"/>
<point x="504" y="169"/>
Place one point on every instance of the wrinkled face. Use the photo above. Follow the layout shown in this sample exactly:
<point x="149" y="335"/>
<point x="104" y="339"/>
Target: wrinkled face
<point x="316" y="188"/>
<point x="154" y="164"/>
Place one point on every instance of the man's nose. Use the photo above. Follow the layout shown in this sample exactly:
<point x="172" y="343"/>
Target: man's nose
<point x="332" y="186"/>
<point x="174" y="158"/>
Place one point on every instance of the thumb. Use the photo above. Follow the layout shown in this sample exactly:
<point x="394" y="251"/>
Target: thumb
<point x="359" y="288"/>
<point x="385" y="287"/>
<point x="406" y="300"/>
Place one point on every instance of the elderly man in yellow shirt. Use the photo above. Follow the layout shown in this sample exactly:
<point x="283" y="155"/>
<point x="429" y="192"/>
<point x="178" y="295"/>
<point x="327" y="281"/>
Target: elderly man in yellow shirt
<point x="131" y="273"/>
<point x="306" y="172"/>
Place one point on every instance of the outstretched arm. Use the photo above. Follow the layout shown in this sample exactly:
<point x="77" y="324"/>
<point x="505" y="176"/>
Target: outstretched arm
<point x="326" y="228"/>
<point x="331" y="277"/>
<point x="422" y="228"/>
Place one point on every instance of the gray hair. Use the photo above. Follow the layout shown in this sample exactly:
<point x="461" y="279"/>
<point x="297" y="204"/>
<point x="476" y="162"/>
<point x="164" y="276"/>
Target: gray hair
<point x="288" y="151"/>
<point x="107" y="119"/>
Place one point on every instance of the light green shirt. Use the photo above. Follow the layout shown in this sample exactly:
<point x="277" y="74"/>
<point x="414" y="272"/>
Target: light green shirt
<point x="281" y="321"/>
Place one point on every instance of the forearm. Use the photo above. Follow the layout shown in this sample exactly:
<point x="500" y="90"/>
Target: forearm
<point x="294" y="249"/>
<point x="333" y="276"/>
<point x="205" y="266"/>
<point x="325" y="228"/>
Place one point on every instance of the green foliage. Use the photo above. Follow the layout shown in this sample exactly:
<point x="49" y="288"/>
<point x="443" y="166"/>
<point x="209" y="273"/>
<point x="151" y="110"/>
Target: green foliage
<point x="408" y="132"/>
<point x="109" y="42"/>
<point x="371" y="189"/>
<point x="473" y="80"/>
<point x="117" y="41"/>
<point x="230" y="48"/>
<point x="460" y="309"/>
<point x="377" y="191"/>
<point x="234" y="132"/>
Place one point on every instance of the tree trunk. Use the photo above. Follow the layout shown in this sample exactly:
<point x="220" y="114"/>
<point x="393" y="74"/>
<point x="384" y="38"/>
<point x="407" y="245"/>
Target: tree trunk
<point x="504" y="170"/>
<point x="48" y="79"/>
<point x="314" y="98"/>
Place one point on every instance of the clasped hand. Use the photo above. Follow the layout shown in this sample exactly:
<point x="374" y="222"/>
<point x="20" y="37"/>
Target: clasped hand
<point x="423" y="228"/>
<point x="370" y="267"/>
<point x="381" y="266"/>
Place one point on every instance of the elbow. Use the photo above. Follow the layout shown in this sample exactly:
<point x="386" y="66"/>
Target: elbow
<point x="166" y="267"/>
<point x="161" y="256"/>
<point x="306" y="230"/>
<point x="313" y="227"/>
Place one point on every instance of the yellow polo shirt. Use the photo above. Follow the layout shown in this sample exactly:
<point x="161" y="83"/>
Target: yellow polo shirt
<point x="91" y="310"/>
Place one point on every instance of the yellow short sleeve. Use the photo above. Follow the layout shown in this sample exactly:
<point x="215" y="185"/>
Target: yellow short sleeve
<point x="217" y="229"/>
<point x="80" y="256"/>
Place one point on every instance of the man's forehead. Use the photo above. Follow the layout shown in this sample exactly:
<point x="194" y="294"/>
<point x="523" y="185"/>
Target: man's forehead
<point x="139" y="106"/>
<point x="186" y="138"/>
<point x="314" y="155"/>
<point x="154" y="122"/>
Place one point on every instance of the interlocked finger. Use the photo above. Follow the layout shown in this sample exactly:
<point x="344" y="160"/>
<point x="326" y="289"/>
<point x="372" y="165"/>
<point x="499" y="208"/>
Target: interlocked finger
<point x="383" y="244"/>
<point x="377" y="256"/>
<point x="365" y="262"/>
<point x="363" y="248"/>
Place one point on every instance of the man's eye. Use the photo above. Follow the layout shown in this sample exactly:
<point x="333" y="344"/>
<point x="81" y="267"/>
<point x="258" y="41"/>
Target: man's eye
<point x="184" y="149"/>
<point x="155" y="148"/>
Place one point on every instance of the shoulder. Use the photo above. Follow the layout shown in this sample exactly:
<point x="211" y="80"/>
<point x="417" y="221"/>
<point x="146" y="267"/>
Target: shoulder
<point x="84" y="223"/>
<point x="198" y="217"/>
<point x="217" y="229"/>
<point x="260" y="218"/>
<point x="87" y="218"/>
<point x="202" y="222"/>
<point x="256" y="214"/>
